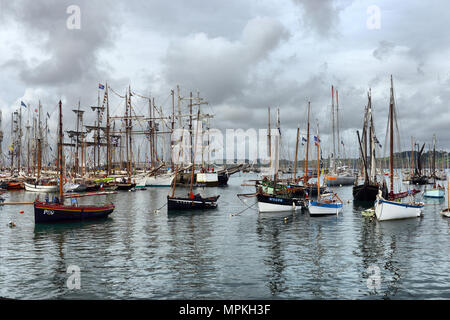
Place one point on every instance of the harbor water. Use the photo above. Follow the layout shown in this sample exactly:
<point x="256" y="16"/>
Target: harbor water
<point x="140" y="252"/>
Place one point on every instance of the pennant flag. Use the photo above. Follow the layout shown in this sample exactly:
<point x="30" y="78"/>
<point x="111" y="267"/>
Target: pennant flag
<point x="50" y="148"/>
<point x="48" y="115"/>
<point x="23" y="104"/>
<point x="35" y="110"/>
<point x="100" y="86"/>
<point x="303" y="139"/>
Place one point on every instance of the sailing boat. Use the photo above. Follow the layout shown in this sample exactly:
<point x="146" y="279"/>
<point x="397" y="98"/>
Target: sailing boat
<point x="436" y="191"/>
<point x="327" y="206"/>
<point x="273" y="199"/>
<point x="367" y="192"/>
<point x="191" y="202"/>
<point x="57" y="211"/>
<point x="38" y="184"/>
<point x="392" y="210"/>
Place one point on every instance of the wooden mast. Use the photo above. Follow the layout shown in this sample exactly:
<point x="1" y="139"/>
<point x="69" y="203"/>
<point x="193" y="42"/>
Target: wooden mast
<point x="296" y="154"/>
<point x="60" y="153"/>
<point x="318" y="165"/>
<point x="307" y="146"/>
<point x="108" y="133"/>
<point x="269" y="141"/>
<point x="193" y="158"/>
<point x="391" y="148"/>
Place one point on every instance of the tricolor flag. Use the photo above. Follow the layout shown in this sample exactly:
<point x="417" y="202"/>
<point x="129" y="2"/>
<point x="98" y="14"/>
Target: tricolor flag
<point x="316" y="140"/>
<point x="23" y="104"/>
<point x="100" y="86"/>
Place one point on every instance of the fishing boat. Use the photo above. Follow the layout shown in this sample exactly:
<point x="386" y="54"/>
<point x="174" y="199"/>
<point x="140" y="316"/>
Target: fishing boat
<point x="58" y="211"/>
<point x="161" y="180"/>
<point x="329" y="205"/>
<point x="207" y="179"/>
<point x="272" y="196"/>
<point x="437" y="192"/>
<point x="191" y="202"/>
<point x="39" y="187"/>
<point x="15" y="185"/>
<point x="393" y="210"/>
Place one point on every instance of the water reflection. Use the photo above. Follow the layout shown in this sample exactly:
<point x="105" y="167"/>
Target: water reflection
<point x="270" y="225"/>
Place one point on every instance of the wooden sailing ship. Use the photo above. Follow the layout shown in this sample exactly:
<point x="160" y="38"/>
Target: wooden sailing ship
<point x="330" y="205"/>
<point x="389" y="209"/>
<point x="57" y="210"/>
<point x="191" y="202"/>
<point x="369" y="189"/>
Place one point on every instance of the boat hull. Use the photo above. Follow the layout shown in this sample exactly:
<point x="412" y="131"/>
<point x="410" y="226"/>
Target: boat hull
<point x="341" y="181"/>
<point x="267" y="203"/>
<point x="178" y="203"/>
<point x="159" y="181"/>
<point x="125" y="186"/>
<point x="434" y="193"/>
<point x="392" y="210"/>
<point x="54" y="212"/>
<point x="40" y="188"/>
<point x="366" y="192"/>
<point x="321" y="209"/>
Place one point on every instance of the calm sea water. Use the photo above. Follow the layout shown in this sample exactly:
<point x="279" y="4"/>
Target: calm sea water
<point x="138" y="253"/>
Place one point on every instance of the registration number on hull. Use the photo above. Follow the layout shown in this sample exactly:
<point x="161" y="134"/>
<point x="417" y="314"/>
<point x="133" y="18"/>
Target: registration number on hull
<point x="48" y="212"/>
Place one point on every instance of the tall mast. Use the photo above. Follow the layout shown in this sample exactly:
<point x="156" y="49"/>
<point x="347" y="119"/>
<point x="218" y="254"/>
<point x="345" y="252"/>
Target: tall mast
<point x="307" y="145"/>
<point x="108" y="133"/>
<point x="269" y="141"/>
<point x="296" y="154"/>
<point x="193" y="159"/>
<point x="150" y="124"/>
<point x="337" y="125"/>
<point x="391" y="149"/>
<point x="318" y="164"/>
<point x="172" y="92"/>
<point x="333" y="129"/>
<point x="60" y="152"/>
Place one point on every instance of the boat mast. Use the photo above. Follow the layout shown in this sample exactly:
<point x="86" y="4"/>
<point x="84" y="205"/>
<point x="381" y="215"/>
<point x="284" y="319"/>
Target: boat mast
<point x="60" y="153"/>
<point x="296" y="154"/>
<point x="193" y="158"/>
<point x="108" y="134"/>
<point x="307" y="146"/>
<point x="269" y="141"/>
<point x="337" y="126"/>
<point x="333" y="129"/>
<point x="172" y="92"/>
<point x="318" y="164"/>
<point x="391" y="149"/>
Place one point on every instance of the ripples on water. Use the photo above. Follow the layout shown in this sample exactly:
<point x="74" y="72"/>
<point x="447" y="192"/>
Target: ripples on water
<point x="140" y="254"/>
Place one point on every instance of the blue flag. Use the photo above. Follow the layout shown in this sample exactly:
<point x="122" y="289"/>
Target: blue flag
<point x="303" y="139"/>
<point x="23" y="104"/>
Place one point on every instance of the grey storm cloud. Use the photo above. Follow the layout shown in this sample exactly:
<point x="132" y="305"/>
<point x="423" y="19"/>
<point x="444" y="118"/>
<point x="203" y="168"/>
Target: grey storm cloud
<point x="242" y="56"/>
<point x="221" y="68"/>
<point x="322" y="17"/>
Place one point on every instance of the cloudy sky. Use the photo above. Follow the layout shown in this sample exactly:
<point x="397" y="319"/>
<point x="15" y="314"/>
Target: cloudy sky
<point x="243" y="56"/>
